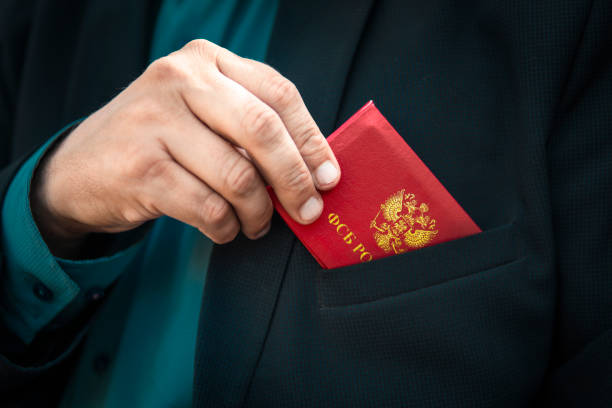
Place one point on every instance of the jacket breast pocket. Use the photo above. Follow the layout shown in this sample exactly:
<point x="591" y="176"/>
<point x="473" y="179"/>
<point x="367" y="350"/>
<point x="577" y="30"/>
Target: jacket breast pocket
<point x="407" y="272"/>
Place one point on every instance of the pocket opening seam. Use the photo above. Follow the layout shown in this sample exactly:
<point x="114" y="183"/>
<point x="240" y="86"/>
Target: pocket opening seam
<point x="323" y="307"/>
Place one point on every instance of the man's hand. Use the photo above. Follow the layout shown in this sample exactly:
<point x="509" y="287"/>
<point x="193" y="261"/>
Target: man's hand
<point x="196" y="137"/>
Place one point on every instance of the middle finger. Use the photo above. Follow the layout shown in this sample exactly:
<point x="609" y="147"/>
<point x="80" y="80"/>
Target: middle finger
<point x="233" y="112"/>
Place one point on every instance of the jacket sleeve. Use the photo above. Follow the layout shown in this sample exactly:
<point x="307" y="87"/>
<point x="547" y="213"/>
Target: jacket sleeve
<point x="38" y="290"/>
<point x="43" y="309"/>
<point x="580" y="174"/>
<point x="45" y="302"/>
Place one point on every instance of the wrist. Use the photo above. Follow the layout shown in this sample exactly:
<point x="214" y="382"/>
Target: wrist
<point x="63" y="235"/>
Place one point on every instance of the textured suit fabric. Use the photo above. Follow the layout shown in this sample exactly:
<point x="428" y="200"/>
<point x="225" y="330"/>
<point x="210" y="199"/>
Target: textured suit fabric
<point x="506" y="102"/>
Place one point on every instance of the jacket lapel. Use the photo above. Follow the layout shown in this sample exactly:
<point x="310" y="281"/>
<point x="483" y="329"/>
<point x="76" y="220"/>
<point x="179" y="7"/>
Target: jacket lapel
<point x="127" y="28"/>
<point x="312" y="44"/>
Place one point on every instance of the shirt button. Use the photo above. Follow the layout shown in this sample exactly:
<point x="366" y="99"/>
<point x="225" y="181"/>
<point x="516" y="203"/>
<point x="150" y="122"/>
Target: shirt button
<point x="42" y="292"/>
<point x="101" y="363"/>
<point x="95" y="294"/>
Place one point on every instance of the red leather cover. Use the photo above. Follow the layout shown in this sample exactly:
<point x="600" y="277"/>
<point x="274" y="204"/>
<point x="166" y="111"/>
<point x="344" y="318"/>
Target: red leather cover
<point x="387" y="201"/>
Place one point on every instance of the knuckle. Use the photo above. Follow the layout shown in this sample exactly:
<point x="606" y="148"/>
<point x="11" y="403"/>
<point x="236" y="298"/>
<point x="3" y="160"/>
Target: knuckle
<point x="282" y="91"/>
<point x="132" y="216"/>
<point x="198" y="43"/>
<point x="263" y="216"/>
<point x="258" y="219"/>
<point x="223" y="237"/>
<point x="297" y="179"/>
<point x="312" y="144"/>
<point x="219" y="240"/>
<point x="260" y="123"/>
<point x="223" y="234"/>
<point x="167" y="69"/>
<point x="231" y="232"/>
<point x="241" y="177"/>
<point x="216" y="211"/>
<point x="202" y="48"/>
<point x="266" y="213"/>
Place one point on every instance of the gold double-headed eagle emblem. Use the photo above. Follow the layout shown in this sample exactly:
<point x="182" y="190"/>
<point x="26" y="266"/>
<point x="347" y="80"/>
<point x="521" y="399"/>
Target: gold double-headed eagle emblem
<point x="405" y="224"/>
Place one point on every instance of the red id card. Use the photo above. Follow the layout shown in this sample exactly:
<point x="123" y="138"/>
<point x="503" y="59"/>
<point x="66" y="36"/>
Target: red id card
<point x="387" y="201"/>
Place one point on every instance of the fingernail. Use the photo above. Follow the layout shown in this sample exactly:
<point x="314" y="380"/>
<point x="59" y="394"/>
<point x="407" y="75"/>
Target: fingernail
<point x="326" y="173"/>
<point x="311" y="209"/>
<point x="264" y="231"/>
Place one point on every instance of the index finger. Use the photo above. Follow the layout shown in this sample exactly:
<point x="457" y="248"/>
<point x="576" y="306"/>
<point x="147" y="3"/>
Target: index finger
<point x="281" y="95"/>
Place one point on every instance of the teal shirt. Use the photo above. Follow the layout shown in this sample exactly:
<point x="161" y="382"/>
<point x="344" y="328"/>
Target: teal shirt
<point x="140" y="346"/>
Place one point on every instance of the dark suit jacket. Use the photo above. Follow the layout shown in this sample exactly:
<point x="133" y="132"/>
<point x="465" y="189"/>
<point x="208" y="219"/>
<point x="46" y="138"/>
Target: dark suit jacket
<point x="508" y="103"/>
